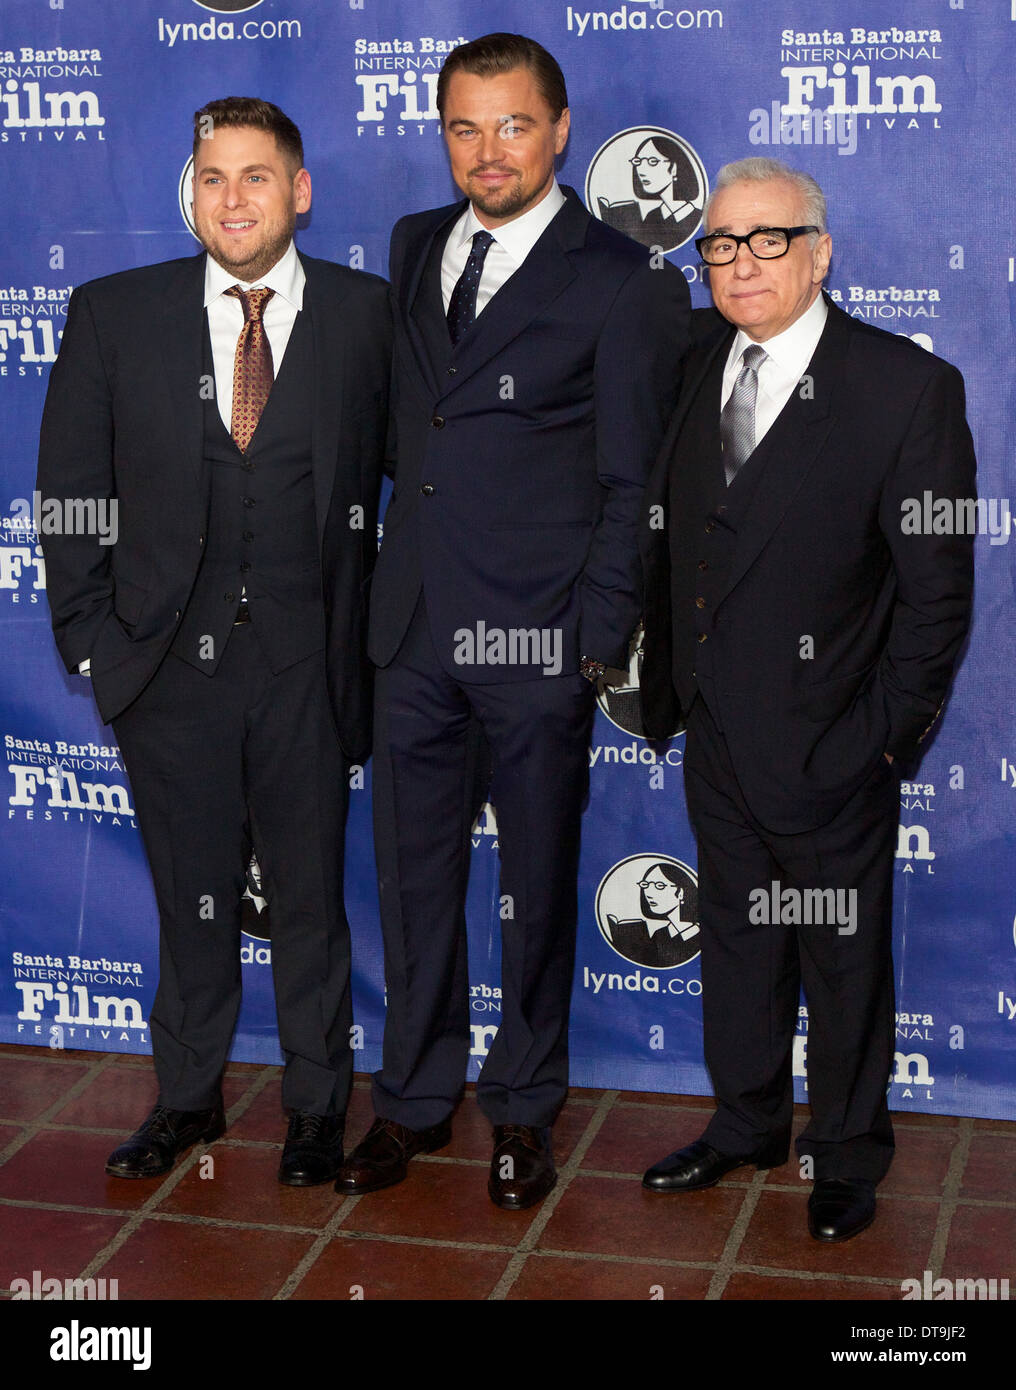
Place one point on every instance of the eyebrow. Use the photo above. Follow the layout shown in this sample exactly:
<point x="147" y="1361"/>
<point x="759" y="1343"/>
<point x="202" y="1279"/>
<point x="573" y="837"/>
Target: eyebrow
<point x="247" y="169"/>
<point x="501" y="120"/>
<point x="725" y="231"/>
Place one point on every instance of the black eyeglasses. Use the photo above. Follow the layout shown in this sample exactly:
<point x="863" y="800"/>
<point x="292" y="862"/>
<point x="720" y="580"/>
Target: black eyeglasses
<point x="767" y="243"/>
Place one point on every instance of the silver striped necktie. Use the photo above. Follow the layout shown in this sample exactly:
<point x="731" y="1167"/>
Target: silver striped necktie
<point x="737" y="419"/>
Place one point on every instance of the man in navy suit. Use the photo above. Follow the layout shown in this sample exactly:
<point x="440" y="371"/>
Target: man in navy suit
<point x="537" y="357"/>
<point x="808" y="634"/>
<point x="234" y="405"/>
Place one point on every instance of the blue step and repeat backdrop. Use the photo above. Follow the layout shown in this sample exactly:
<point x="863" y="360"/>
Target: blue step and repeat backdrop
<point x="904" y="113"/>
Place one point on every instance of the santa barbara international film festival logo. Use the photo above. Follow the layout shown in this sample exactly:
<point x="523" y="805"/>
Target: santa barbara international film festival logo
<point x="647" y="911"/>
<point x="649" y="183"/>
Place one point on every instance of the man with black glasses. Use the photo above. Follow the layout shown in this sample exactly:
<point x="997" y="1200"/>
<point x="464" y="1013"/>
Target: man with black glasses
<point x="807" y="632"/>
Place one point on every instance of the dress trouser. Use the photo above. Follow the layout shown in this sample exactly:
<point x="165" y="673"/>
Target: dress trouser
<point x="425" y="748"/>
<point x="220" y="764"/>
<point x="752" y="969"/>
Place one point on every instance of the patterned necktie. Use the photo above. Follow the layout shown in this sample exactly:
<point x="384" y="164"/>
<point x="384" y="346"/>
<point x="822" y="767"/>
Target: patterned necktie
<point x="737" y="419"/>
<point x="462" y="305"/>
<point x="253" y="370"/>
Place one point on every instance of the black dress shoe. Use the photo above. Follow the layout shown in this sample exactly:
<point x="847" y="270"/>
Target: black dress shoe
<point x="839" y="1208"/>
<point x="700" y="1165"/>
<point x="155" y="1147"/>
<point x="522" y="1168"/>
<point x="382" y="1157"/>
<point x="313" y="1149"/>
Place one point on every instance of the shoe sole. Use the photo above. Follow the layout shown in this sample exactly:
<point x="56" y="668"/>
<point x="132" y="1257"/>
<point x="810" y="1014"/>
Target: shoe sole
<point x="209" y="1137"/>
<point x="310" y="1182"/>
<point x="359" y="1189"/>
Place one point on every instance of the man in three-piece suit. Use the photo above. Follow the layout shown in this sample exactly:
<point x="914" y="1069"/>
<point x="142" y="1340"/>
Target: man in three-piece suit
<point x="234" y="405"/>
<point x="536" y="363"/>
<point x="809" y="640"/>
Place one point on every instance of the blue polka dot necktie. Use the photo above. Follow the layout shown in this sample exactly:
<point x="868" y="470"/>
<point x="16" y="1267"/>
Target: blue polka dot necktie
<point x="462" y="305"/>
<point x="737" y="419"/>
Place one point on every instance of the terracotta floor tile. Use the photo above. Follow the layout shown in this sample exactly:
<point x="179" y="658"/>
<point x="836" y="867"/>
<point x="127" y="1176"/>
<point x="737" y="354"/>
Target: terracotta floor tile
<point x="173" y="1259"/>
<point x="1001" y="1126"/>
<point x="990" y="1173"/>
<point x="442" y="1201"/>
<point x="9" y="1132"/>
<point x="896" y="1245"/>
<point x="916" y="1117"/>
<point x="64" y="1167"/>
<point x="632" y="1138"/>
<point x="921" y="1162"/>
<point x="761" y="1288"/>
<point x="57" y="1243"/>
<point x="265" y="1121"/>
<point x="616" y="1217"/>
<point x="28" y="1087"/>
<point x="42" y="1054"/>
<point x="555" y="1278"/>
<point x="244" y="1186"/>
<point x="666" y="1098"/>
<point x="120" y="1098"/>
<point x="982" y="1245"/>
<point x="399" y="1270"/>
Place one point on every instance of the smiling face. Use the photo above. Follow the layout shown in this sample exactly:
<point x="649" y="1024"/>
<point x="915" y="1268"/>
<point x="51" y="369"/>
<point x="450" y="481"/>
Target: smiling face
<point x="765" y="297"/>
<point x="246" y="200"/>
<point x="502" y="141"/>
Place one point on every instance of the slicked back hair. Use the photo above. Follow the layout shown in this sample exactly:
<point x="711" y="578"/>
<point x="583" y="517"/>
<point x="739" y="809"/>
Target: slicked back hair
<point x="495" y="54"/>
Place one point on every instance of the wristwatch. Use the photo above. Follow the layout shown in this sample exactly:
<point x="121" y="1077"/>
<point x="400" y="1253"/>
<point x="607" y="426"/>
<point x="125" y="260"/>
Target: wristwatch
<point x="592" y="670"/>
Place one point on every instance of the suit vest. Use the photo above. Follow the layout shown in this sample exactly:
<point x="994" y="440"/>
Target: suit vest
<point x="261" y="538"/>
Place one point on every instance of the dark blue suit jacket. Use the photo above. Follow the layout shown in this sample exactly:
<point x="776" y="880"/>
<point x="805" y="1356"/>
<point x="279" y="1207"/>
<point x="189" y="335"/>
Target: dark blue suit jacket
<point x="522" y="454"/>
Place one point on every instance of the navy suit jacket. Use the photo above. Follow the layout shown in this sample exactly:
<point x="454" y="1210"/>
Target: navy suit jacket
<point x="124" y="419"/>
<point x="522" y="455"/>
<point x="822" y="554"/>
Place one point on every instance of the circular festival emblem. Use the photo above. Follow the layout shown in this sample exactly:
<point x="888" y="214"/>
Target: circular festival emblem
<point x="647" y="911"/>
<point x="650" y="184"/>
<point x="185" y="196"/>
<point x="229" y="6"/>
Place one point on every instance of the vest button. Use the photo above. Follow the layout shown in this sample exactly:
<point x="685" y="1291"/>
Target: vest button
<point x="176" y="616"/>
<point x="702" y="636"/>
<point x="702" y="565"/>
<point x="230" y="598"/>
<point x="710" y="527"/>
<point x="427" y="489"/>
<point x="453" y="371"/>
<point x="248" y="501"/>
<point x="438" y="422"/>
<point x="248" y="535"/>
<point x="244" y="565"/>
<point x="247" y="466"/>
<point x="700" y="603"/>
<point x="201" y="540"/>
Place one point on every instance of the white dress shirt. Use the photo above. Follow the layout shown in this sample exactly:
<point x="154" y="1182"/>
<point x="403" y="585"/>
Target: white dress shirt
<point x="512" y="244"/>
<point x="225" y="318"/>
<point x="788" y="355"/>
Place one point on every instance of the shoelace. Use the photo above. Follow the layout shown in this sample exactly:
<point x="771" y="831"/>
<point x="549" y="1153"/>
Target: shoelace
<point x="304" y="1127"/>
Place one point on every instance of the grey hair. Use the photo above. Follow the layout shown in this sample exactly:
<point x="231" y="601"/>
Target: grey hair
<point x="759" y="169"/>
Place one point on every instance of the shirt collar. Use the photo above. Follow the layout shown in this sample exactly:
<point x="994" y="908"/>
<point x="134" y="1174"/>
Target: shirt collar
<point x="286" y="278"/>
<point x="517" y="237"/>
<point x="792" y="349"/>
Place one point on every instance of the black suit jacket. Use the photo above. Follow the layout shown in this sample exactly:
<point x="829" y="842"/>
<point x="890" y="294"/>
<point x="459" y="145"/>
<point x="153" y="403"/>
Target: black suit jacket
<point x="521" y="459"/>
<point x="822" y="554"/>
<point x="124" y="419"/>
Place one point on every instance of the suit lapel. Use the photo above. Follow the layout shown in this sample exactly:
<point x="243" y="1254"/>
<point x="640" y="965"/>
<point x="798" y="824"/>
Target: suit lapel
<point x="322" y="305"/>
<point x="418" y="316"/>
<point x="695" y="369"/>
<point x="793" y="444"/>
<point x="182" y="345"/>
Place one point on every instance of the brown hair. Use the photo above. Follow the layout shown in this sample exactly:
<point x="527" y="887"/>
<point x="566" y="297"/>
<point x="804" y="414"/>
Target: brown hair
<point x="254" y="114"/>
<point x="494" y="54"/>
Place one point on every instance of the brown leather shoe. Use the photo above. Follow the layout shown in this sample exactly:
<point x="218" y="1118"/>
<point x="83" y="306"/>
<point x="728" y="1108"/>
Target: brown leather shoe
<point x="382" y="1156"/>
<point x="522" y="1169"/>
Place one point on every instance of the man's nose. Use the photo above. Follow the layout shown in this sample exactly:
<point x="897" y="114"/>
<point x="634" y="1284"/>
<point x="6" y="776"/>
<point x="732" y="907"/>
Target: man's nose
<point x="745" y="264"/>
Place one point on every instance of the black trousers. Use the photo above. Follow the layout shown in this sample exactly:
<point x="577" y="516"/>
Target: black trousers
<point x="752" y="969"/>
<point x="425" y="752"/>
<point x="220" y="764"/>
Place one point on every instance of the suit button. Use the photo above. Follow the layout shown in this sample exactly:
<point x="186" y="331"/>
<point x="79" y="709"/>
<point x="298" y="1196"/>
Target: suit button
<point x="700" y="603"/>
<point x="248" y="535"/>
<point x="248" y="501"/>
<point x="244" y="565"/>
<point x="201" y="540"/>
<point x="427" y="489"/>
<point x="721" y="510"/>
<point x="438" y="422"/>
<point x="176" y="616"/>
<point x="230" y="598"/>
<point x="702" y="565"/>
<point x="702" y="636"/>
<point x="453" y="371"/>
<point x="247" y="466"/>
<point x="710" y="527"/>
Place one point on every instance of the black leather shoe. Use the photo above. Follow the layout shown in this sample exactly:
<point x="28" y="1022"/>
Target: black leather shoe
<point x="313" y="1150"/>
<point x="522" y="1168"/>
<point x="839" y="1208"/>
<point x="382" y="1157"/>
<point x="700" y="1165"/>
<point x="155" y="1147"/>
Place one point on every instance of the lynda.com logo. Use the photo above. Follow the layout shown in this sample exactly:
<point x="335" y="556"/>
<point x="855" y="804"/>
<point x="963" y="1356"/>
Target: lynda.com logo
<point x="229" y="6"/>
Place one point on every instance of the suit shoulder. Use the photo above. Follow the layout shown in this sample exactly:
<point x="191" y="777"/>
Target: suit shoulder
<point x="897" y="353"/>
<point x="343" y="279"/>
<point x="142" y="278"/>
<point x="413" y="222"/>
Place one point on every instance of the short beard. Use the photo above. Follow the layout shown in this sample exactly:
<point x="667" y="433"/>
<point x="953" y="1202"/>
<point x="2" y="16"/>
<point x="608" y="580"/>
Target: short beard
<point x="257" y="265"/>
<point x="502" y="204"/>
